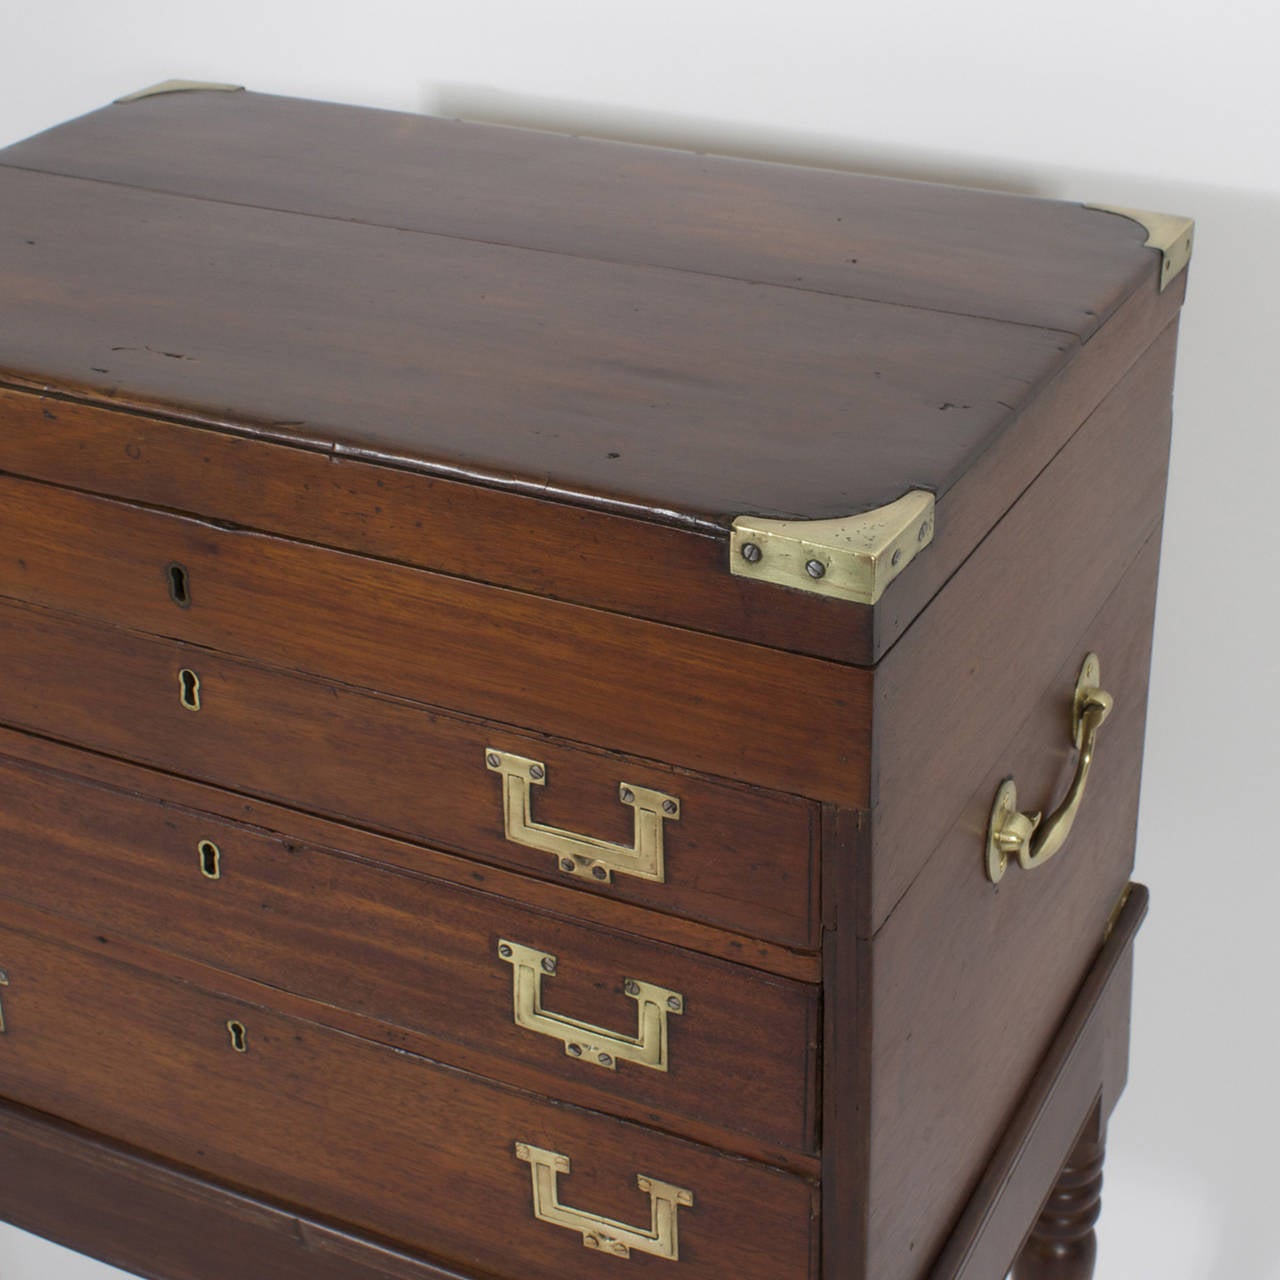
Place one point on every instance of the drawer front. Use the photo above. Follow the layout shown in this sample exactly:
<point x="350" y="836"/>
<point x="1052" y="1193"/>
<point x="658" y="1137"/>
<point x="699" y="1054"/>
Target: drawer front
<point x="732" y="856"/>
<point x="476" y="1174"/>
<point x="661" y="692"/>
<point x="605" y="1020"/>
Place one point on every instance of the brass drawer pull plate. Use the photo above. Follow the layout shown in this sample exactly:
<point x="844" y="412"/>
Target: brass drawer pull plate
<point x="614" y="1238"/>
<point x="579" y="855"/>
<point x="648" y="1047"/>
<point x="1033" y="841"/>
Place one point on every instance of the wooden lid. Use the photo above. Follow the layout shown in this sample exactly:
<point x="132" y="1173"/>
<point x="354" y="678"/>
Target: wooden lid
<point x="684" y="338"/>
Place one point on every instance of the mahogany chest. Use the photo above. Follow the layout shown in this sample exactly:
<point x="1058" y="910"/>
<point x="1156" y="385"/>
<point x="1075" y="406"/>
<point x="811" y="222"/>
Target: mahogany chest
<point x="566" y="708"/>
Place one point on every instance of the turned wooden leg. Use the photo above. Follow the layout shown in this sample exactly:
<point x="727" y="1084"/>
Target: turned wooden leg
<point x="1062" y="1244"/>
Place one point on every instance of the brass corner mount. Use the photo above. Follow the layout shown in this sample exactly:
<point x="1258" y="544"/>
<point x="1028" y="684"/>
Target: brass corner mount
<point x="1171" y="233"/>
<point x="851" y="558"/>
<point x="180" y="86"/>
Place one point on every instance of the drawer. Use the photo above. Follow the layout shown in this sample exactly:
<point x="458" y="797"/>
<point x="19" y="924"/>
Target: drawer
<point x="481" y="1176"/>
<point x="685" y="697"/>
<point x="733" y="856"/>
<point x="481" y="981"/>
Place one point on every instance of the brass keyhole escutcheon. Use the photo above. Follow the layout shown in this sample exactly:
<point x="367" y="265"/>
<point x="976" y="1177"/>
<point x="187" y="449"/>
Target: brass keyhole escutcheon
<point x="179" y="584"/>
<point x="239" y="1036"/>
<point x="189" y="689"/>
<point x="210" y="860"/>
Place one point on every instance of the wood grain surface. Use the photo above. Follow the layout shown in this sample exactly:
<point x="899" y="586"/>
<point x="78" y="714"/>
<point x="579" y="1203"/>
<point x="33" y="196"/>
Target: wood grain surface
<point x="692" y="398"/>
<point x="958" y="1025"/>
<point x="1034" y="262"/>
<point x="415" y="953"/>
<point x="562" y="899"/>
<point x="951" y="693"/>
<point x="361" y="1133"/>
<point x="155" y="1219"/>
<point x="736" y="857"/>
<point x="1075" y="1091"/>
<point x="673" y="696"/>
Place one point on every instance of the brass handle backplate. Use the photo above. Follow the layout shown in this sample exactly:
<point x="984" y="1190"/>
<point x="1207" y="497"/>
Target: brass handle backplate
<point x="1033" y="840"/>
<point x="661" y="1238"/>
<point x="578" y="855"/>
<point x="648" y="1047"/>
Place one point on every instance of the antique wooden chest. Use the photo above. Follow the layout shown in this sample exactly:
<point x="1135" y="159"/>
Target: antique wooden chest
<point x="531" y="674"/>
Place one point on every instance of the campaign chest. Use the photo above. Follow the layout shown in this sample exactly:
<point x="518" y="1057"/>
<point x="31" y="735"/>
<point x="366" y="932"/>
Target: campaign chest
<point x="565" y="707"/>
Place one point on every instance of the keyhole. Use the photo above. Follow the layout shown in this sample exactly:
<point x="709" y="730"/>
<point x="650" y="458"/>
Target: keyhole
<point x="210" y="860"/>
<point x="238" y="1036"/>
<point x="179" y="585"/>
<point x="189" y="686"/>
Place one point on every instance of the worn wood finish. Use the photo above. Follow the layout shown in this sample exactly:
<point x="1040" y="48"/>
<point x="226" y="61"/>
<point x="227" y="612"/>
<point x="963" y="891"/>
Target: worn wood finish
<point x="569" y="553"/>
<point x="1031" y="261"/>
<point x="946" y="1070"/>
<point x="415" y="953"/>
<point x="614" y="562"/>
<point x="736" y="857"/>
<point x="556" y="899"/>
<point x="362" y="1133"/>
<point x="161" y="1221"/>
<point x="540" y="372"/>
<point x="950" y="694"/>
<point x="1074" y="1091"/>
<point x="969" y="510"/>
<point x="539" y="664"/>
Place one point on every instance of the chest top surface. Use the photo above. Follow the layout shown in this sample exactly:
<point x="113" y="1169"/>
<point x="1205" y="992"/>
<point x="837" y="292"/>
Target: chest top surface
<point x="684" y="337"/>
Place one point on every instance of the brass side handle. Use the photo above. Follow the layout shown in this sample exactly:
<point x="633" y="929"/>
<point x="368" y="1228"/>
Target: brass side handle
<point x="661" y="1238"/>
<point x="579" y="855"/>
<point x="648" y="1047"/>
<point x="1033" y="840"/>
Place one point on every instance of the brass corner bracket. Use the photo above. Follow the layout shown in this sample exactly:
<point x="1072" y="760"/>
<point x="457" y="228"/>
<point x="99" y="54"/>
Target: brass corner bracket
<point x="1172" y="234"/>
<point x="850" y="558"/>
<point x="181" y="86"/>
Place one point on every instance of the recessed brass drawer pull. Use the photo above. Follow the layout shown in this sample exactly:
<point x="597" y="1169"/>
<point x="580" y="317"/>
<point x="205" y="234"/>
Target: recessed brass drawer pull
<point x="1015" y="833"/>
<point x="614" y="1238"/>
<point x="578" y="855"/>
<point x="581" y="1040"/>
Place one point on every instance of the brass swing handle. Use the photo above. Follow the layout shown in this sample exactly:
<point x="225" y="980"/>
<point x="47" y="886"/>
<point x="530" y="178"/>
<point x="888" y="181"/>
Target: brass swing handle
<point x="661" y="1238"/>
<point x="579" y="855"/>
<point x="1024" y="835"/>
<point x="648" y="1047"/>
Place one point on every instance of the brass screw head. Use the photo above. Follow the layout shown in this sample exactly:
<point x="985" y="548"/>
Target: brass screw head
<point x="606" y="1060"/>
<point x="548" y="964"/>
<point x="751" y="553"/>
<point x="628" y="796"/>
<point x="575" y="1050"/>
<point x="504" y="951"/>
<point x="494" y="760"/>
<point x="815" y="569"/>
<point x="631" y="988"/>
<point x="673" y="1003"/>
<point x="537" y="772"/>
<point x="599" y="873"/>
<point x="566" y="864"/>
<point x="669" y="806"/>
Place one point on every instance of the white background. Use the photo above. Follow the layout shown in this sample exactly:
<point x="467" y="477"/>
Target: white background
<point x="1171" y="106"/>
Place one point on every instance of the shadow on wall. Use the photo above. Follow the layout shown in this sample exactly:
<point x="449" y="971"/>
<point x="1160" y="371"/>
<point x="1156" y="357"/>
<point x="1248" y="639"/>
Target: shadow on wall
<point x="716" y="137"/>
